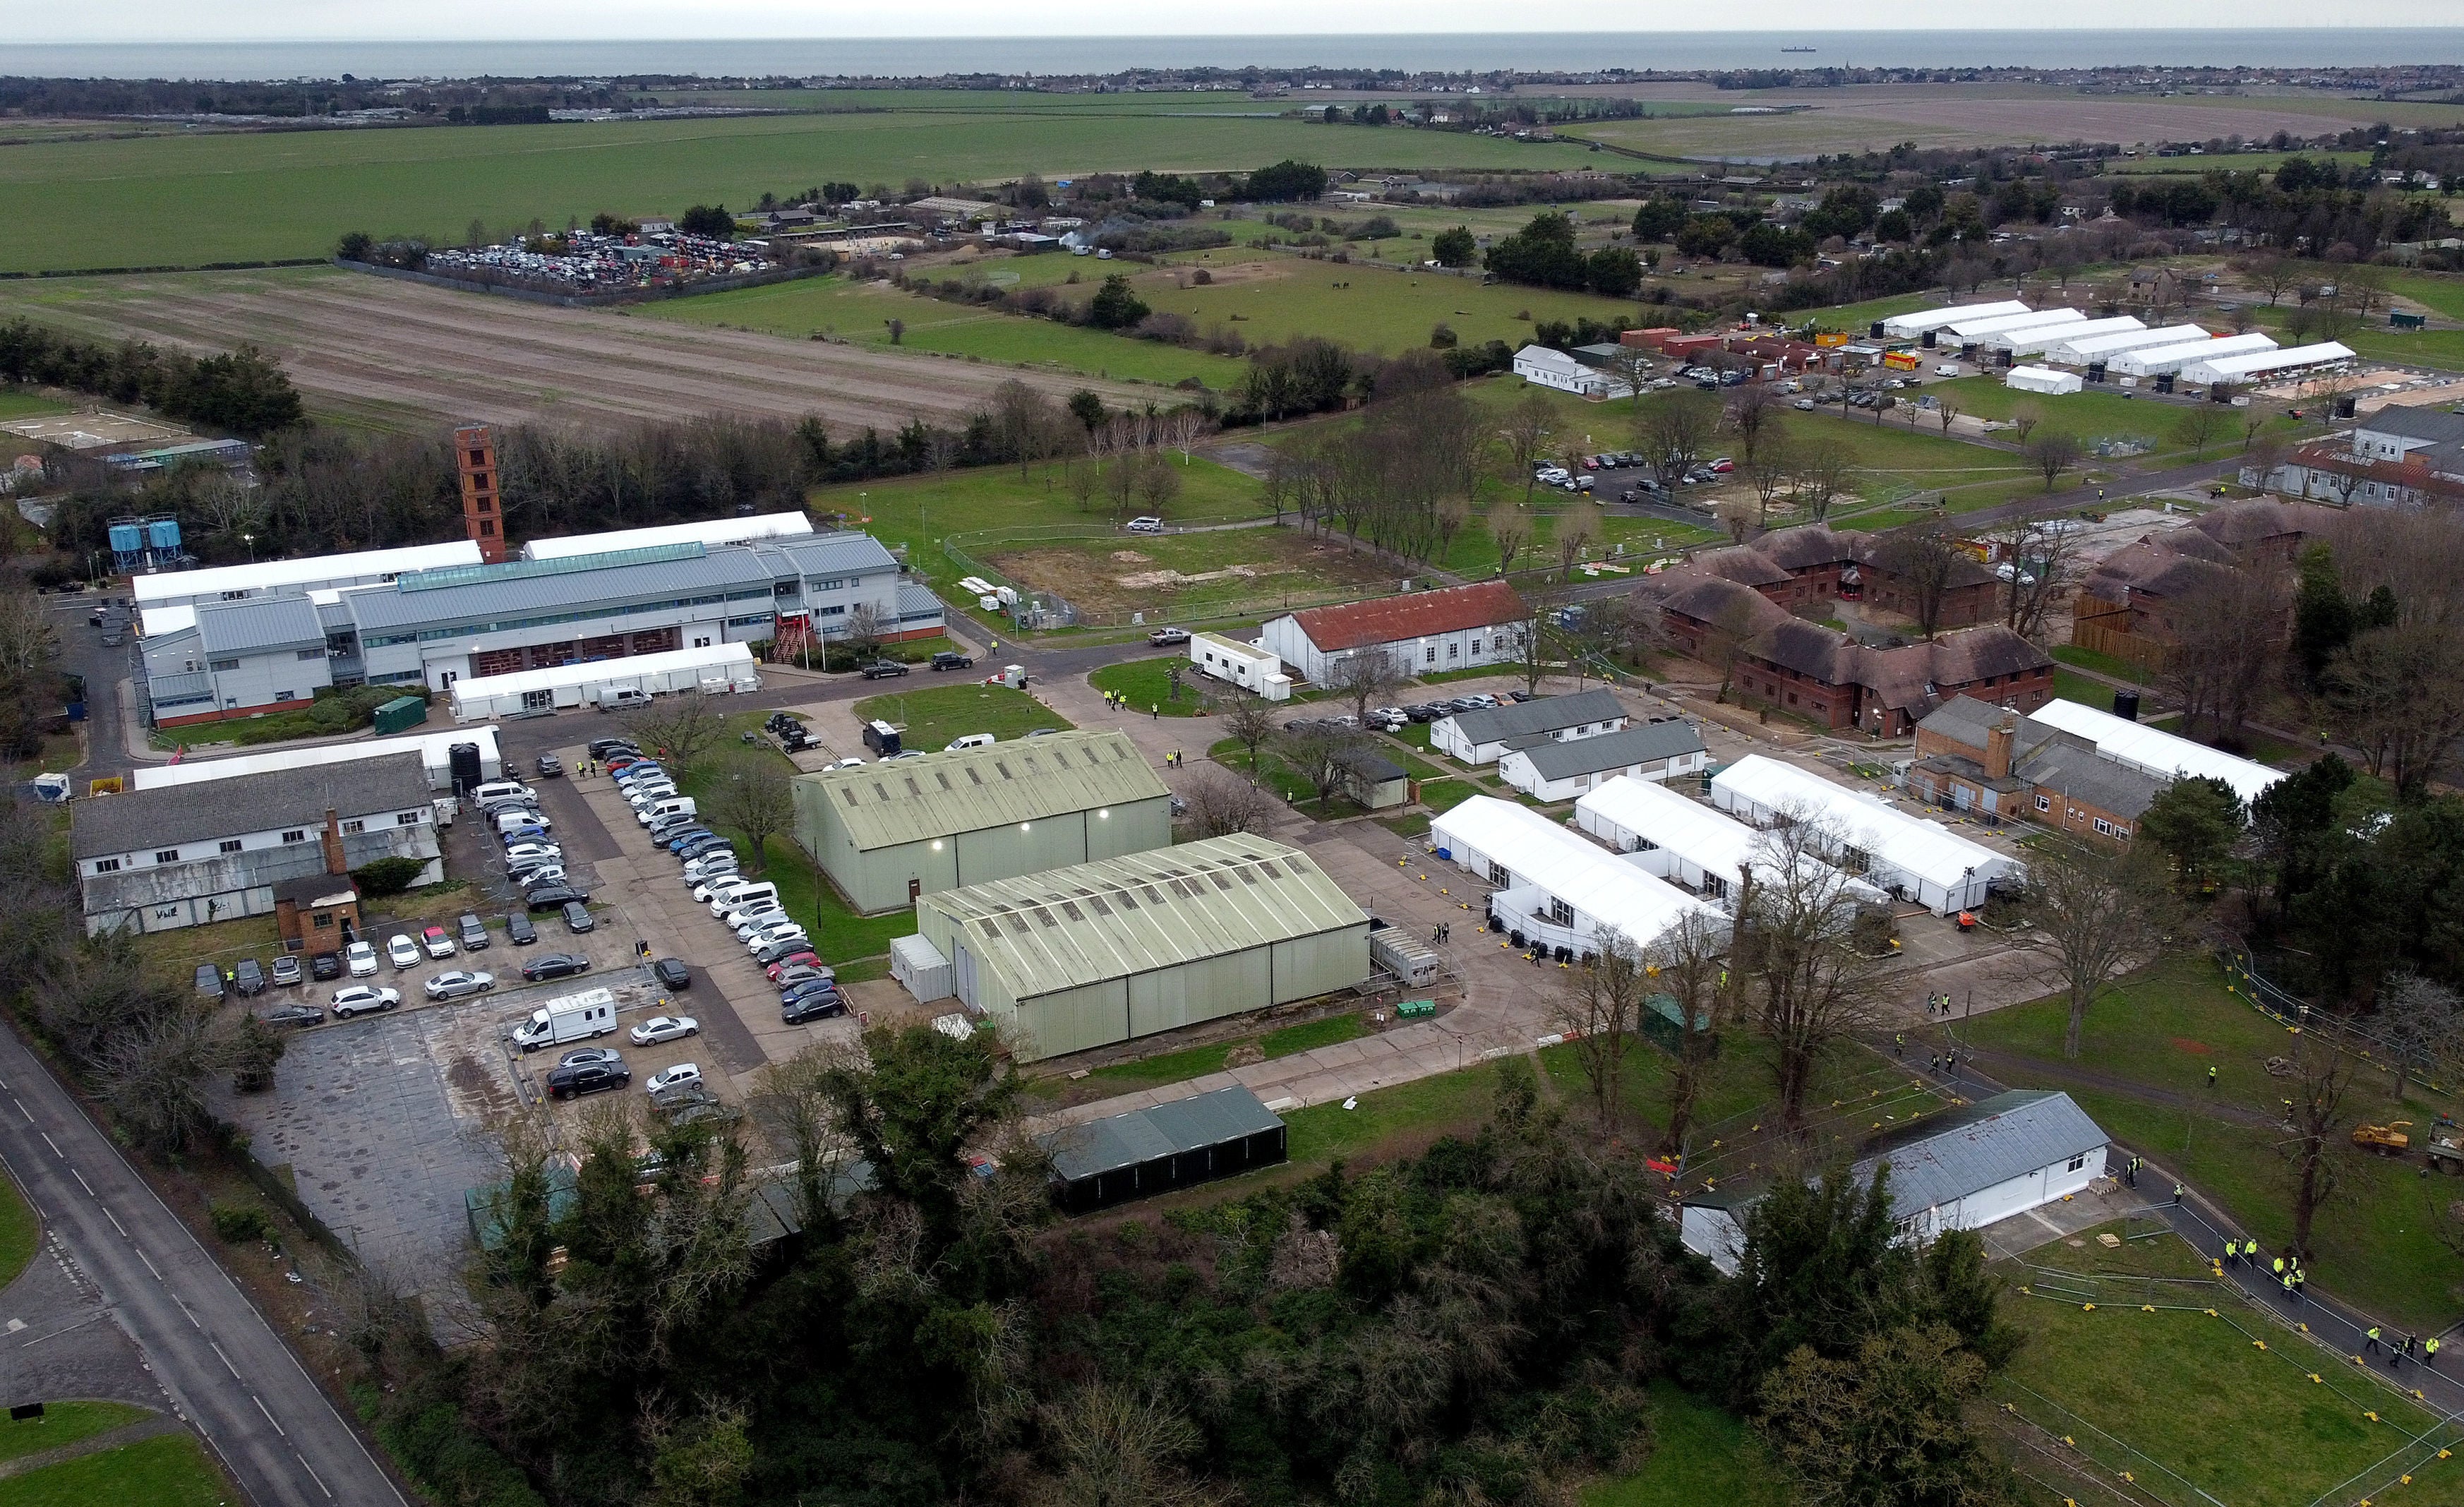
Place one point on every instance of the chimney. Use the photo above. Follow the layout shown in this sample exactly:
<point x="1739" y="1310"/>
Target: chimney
<point x="474" y="458"/>
<point x="332" y="837"/>
<point x="1997" y="749"/>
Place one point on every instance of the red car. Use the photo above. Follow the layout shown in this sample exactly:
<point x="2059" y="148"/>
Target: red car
<point x="800" y="960"/>
<point x="1723" y="465"/>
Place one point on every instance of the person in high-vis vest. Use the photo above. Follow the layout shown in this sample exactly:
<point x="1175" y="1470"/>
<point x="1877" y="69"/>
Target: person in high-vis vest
<point x="2430" y="1352"/>
<point x="2370" y="1341"/>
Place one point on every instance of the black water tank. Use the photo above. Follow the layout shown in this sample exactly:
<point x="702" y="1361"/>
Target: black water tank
<point x="1932" y="338"/>
<point x="2344" y="407"/>
<point x="1877" y="331"/>
<point x="2125" y="705"/>
<point x="463" y="762"/>
<point x="1967" y="350"/>
<point x="2165" y="382"/>
<point x="2096" y="371"/>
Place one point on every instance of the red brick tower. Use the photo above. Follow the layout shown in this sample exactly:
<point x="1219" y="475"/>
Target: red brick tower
<point x="475" y="455"/>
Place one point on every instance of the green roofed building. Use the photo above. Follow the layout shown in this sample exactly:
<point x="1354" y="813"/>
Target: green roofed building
<point x="889" y="831"/>
<point x="1086" y="955"/>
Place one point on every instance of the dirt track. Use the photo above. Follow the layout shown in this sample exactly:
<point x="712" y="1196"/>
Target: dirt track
<point x="395" y="352"/>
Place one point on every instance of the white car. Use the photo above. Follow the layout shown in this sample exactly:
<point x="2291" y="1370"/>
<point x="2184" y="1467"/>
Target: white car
<point x="361" y="997"/>
<point x="771" y="936"/>
<point x="759" y="918"/>
<point x="683" y="1074"/>
<point x="665" y="1028"/>
<point x="526" y="855"/>
<point x="721" y="893"/>
<point x="458" y="983"/>
<point x="648" y="790"/>
<point x="362" y="959"/>
<point x="401" y="951"/>
<point x="843" y="764"/>
<point x="1147" y="523"/>
<point x="703" y="871"/>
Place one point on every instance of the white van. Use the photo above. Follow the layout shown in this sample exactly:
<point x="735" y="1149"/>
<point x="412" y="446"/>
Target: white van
<point x="740" y="897"/>
<point x="971" y="740"/>
<point x="516" y="821"/>
<point x="675" y="806"/>
<point x="501" y="789"/>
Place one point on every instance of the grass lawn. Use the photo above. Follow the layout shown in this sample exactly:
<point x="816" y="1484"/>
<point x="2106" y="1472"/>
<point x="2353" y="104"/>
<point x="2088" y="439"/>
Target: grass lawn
<point x="1401" y="1117"/>
<point x="63" y="1423"/>
<point x="1212" y="574"/>
<point x="1702" y="1456"/>
<point x="2068" y="685"/>
<point x="1147" y="683"/>
<point x="20" y="1233"/>
<point x="16" y="404"/>
<point x="931" y="717"/>
<point x="920" y="511"/>
<point x="2090" y="659"/>
<point x="2161" y="1031"/>
<point x="1173" y="1067"/>
<point x="2088" y="416"/>
<point x="2444" y="294"/>
<point x="2189" y="1403"/>
<point x="169" y="1469"/>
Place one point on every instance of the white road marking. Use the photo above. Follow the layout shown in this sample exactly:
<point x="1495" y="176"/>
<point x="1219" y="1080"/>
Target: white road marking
<point x="114" y="1218"/>
<point x="22" y="1109"/>
<point x="82" y="1181"/>
<point x="157" y="1275"/>
<point x="53" y="1144"/>
<point x="318" y="1479"/>
<point x="224" y="1359"/>
<point x="268" y="1415"/>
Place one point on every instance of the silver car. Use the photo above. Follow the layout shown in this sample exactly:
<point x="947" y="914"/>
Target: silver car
<point x="458" y="983"/>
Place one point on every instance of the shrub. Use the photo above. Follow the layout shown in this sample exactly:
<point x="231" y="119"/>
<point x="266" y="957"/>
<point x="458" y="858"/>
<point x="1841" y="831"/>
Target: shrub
<point x="238" y="1224"/>
<point x="386" y="875"/>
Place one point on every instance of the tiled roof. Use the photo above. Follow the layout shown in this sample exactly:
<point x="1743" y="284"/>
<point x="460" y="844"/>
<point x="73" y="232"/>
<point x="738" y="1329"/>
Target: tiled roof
<point x="136" y="820"/>
<point x="1742" y="563"/>
<point x="2254" y="519"/>
<point x="1811" y="544"/>
<point x="1398" y="619"/>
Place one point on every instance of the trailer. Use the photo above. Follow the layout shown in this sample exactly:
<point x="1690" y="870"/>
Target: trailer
<point x="1253" y="669"/>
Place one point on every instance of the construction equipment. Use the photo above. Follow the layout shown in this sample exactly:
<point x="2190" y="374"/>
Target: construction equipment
<point x="2447" y="1144"/>
<point x="2390" y="1140"/>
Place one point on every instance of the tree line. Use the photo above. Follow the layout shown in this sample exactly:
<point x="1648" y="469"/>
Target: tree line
<point x="242" y="391"/>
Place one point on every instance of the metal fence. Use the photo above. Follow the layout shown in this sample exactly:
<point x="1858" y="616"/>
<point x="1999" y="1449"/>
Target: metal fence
<point x="2245" y="982"/>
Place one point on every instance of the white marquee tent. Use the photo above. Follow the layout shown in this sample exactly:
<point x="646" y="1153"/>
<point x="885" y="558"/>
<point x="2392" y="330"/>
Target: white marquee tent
<point x="1907" y="326"/>
<point x="2080" y="351"/>
<point x="1908" y="855"/>
<point x="2042" y="379"/>
<point x="1966" y="330"/>
<point x="1682" y="839"/>
<point x="2265" y="366"/>
<point x="716" y="667"/>
<point x="2155" y="361"/>
<point x="2153" y="751"/>
<point x="2045" y="337"/>
<point x="1555" y="886"/>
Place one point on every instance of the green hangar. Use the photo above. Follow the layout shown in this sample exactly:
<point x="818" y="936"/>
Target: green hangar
<point x="889" y="831"/>
<point x="1087" y="955"/>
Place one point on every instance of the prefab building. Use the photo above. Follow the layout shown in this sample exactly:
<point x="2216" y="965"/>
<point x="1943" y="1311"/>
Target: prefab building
<point x="709" y="531"/>
<point x="1908" y="327"/>
<point x="2081" y="350"/>
<point x="2267" y="366"/>
<point x="716" y="669"/>
<point x="2159" y="361"/>
<point x="889" y="831"/>
<point x="1253" y="669"/>
<point x="1911" y="857"/>
<point x="1679" y="839"/>
<point x="1554" y="889"/>
<point x="266" y="578"/>
<point x="2043" y="380"/>
<point x="436" y="751"/>
<point x="1483" y="735"/>
<point x="1148" y="1151"/>
<point x="1104" y="952"/>
<point x="2036" y="338"/>
<point x="1549" y="770"/>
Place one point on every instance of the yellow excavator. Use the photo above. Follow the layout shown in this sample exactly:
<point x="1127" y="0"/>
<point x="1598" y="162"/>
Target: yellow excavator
<point x="2390" y="1140"/>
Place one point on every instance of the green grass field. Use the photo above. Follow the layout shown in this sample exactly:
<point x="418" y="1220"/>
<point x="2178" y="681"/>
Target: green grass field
<point x="931" y="717"/>
<point x="1147" y="683"/>
<point x="15" y="404"/>
<point x="1702" y="1456"/>
<point x="1194" y="1062"/>
<point x="20" y="1231"/>
<point x="63" y="1423"/>
<point x="169" y="1469"/>
<point x="197" y="199"/>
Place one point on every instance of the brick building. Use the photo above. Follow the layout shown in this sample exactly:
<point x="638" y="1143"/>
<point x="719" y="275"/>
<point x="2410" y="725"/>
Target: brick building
<point x="2125" y="605"/>
<point x="1988" y="762"/>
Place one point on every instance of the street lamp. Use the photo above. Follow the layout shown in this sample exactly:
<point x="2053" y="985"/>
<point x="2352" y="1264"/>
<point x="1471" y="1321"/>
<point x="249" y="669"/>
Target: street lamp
<point x="249" y="540"/>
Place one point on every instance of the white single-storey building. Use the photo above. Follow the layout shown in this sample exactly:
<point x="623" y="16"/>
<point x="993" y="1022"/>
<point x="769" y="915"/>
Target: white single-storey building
<point x="2042" y="379"/>
<point x="716" y="667"/>
<point x="1974" y="331"/>
<point x="2153" y="751"/>
<point x="1460" y="628"/>
<point x="1907" y="855"/>
<point x="1684" y="840"/>
<point x="1962" y="1170"/>
<point x="1256" y="670"/>
<point x="2045" y="337"/>
<point x="1554" y="369"/>
<point x="1553" y="888"/>
<point x="1554" y="770"/>
<point x="1483" y="735"/>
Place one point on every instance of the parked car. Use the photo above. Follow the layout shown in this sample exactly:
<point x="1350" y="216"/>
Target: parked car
<point x="577" y="918"/>
<point x="607" y="747"/>
<point x="819" y="1009"/>
<point x="474" y="932"/>
<point x="1145" y="523"/>
<point x="362" y="959"/>
<point x="455" y="984"/>
<point x="883" y="670"/>
<point x="360" y="998"/>
<point x="210" y="981"/>
<point x="518" y="929"/>
<point x="810" y="988"/>
<point x="952" y="659"/>
<point x="545" y="874"/>
<point x="587" y="1078"/>
<point x="435" y="942"/>
<point x="323" y="965"/>
<point x="665" y="1028"/>
<point x="787" y="975"/>
<point x="1803" y="404"/>
<point x="286" y="970"/>
<point x="671" y="973"/>
<point x="555" y="965"/>
<point x="550" y="767"/>
<point x="295" y="1013"/>
<point x="582" y="1054"/>
<point x="786" y="951"/>
<point x="1167" y="637"/>
<point x="683" y="1074"/>
<point x="552" y="896"/>
<point x="247" y="978"/>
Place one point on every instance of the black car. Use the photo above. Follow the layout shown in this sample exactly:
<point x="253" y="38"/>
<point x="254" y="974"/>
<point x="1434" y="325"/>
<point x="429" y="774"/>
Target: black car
<point x="293" y="1015"/>
<point x="603" y="748"/>
<point x="671" y="973"/>
<point x="550" y="767"/>
<point x="810" y="990"/>
<point x="577" y="918"/>
<point x="782" y="723"/>
<point x="818" y="1008"/>
<point x="783" y="950"/>
<point x="882" y="668"/>
<point x="552" y="896"/>
<point x="326" y="966"/>
<point x="519" y="931"/>
<point x="249" y="977"/>
<point x="952" y="659"/>
<point x="555" y="965"/>
<point x="586" y="1077"/>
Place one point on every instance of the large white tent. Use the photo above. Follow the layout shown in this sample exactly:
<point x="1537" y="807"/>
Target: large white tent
<point x="2156" y="361"/>
<point x="717" y="668"/>
<point x="2045" y="337"/>
<point x="2042" y="379"/>
<point x="2153" y="751"/>
<point x="1551" y="885"/>
<point x="1922" y="860"/>
<point x="2263" y="366"/>
<point x="709" y="531"/>
<point x="1908" y="327"/>
<point x="1675" y="837"/>
<point x="2077" y="350"/>
<point x="1968" y="330"/>
<point x="436" y="751"/>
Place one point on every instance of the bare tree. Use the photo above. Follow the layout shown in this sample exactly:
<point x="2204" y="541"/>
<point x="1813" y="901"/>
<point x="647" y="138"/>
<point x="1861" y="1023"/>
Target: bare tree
<point x="679" y="731"/>
<point x="1365" y="678"/>
<point x="2201" y="424"/>
<point x="2025" y="416"/>
<point x="2273" y="274"/>
<point x="1529" y="640"/>
<point x="1821" y="475"/>
<point x="1924" y="565"/>
<point x="2104" y="908"/>
<point x="864" y="627"/>
<point x="792" y="1101"/>
<point x="1674" y="432"/>
<point x="2043" y="562"/>
<point x="1731" y="629"/>
<point x="1578" y="528"/>
<point x="1526" y="431"/>
<point x="1320" y="755"/>
<point x="2052" y="452"/>
<point x="2228" y="639"/>
<point x="1631" y="367"/>
<point x="2398" y="692"/>
<point x="1947" y="412"/>
<point x="1219" y="804"/>
<point x="757" y="802"/>
<point x="1511" y="529"/>
<point x="2315" y="1119"/>
<point x="1249" y="721"/>
<point x="1740" y="516"/>
<point x="2422" y="1023"/>
<point x="1691" y="963"/>
<point x="1769" y="468"/>
<point x="1814" y="990"/>
<point x="1182" y="427"/>
<point x="1114" y="1448"/>
<point x="1753" y="410"/>
<point x="1599" y="1006"/>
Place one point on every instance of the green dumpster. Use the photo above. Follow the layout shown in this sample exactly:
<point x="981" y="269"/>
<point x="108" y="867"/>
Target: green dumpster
<point x="401" y="714"/>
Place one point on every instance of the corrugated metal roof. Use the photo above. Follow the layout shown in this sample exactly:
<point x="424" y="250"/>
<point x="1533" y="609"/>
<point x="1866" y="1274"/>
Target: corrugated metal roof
<point x="479" y="602"/>
<point x="842" y="554"/>
<point x="912" y="800"/>
<point x="1546" y="714"/>
<point x="1988" y="1143"/>
<point x="1119" y="1141"/>
<point x="136" y="820"/>
<point x="272" y="575"/>
<point x="1042" y="933"/>
<point x="1652" y="741"/>
<point x="915" y="600"/>
<point x="709" y="531"/>
<point x="259" y="626"/>
<point x="526" y="569"/>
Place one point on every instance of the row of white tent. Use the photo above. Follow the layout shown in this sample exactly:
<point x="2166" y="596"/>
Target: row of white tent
<point x="2124" y="344"/>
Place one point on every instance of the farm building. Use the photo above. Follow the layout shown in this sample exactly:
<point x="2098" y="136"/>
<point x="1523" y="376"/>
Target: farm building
<point x="436" y="751"/>
<point x="1255" y="670"/>
<point x="1962" y="1170"/>
<point x="1912" y="859"/>
<point x="887" y="832"/>
<point x="1550" y="770"/>
<point x="1552" y="888"/>
<point x="2045" y="337"/>
<point x="2161" y="361"/>
<point x="2156" y="752"/>
<point x="270" y="578"/>
<point x="1458" y="628"/>
<point x="2083" y="350"/>
<point x="716" y="669"/>
<point x="2042" y="379"/>
<point x="2267" y="366"/>
<point x="709" y="531"/>
<point x="1075" y="958"/>
<point x="1148" y="1151"/>
<point x="1908" y="327"/>
<point x="1554" y="369"/>
<point x="1483" y="735"/>
<point x="1681" y="840"/>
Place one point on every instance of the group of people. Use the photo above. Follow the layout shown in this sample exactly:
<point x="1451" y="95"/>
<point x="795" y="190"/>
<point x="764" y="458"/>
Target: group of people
<point x="2408" y="1349"/>
<point x="1115" y="701"/>
<point x="1938" y="1004"/>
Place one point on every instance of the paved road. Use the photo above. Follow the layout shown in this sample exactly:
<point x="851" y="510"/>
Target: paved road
<point x="225" y="1370"/>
